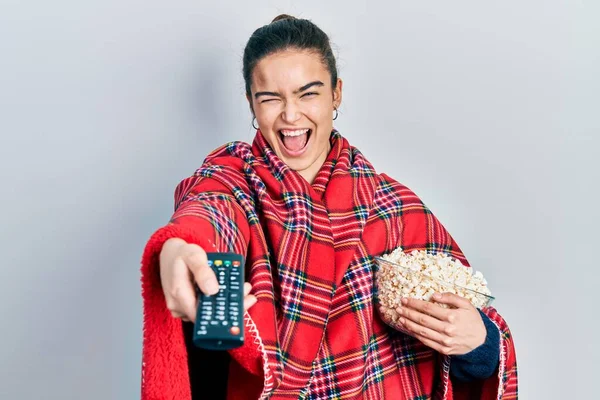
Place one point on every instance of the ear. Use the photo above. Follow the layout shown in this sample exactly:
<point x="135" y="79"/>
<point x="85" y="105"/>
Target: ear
<point x="337" y="94"/>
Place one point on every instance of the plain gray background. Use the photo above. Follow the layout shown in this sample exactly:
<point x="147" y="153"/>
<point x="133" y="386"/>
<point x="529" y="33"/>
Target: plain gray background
<point x="490" y="112"/>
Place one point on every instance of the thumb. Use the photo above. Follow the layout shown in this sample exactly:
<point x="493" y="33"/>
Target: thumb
<point x="197" y="262"/>
<point x="452" y="300"/>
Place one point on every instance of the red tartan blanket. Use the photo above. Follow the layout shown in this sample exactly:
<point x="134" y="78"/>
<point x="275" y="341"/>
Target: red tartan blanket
<point x="314" y="332"/>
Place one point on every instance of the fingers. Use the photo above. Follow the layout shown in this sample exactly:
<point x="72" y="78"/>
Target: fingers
<point x="440" y="348"/>
<point x="426" y="307"/>
<point x="188" y="269"/>
<point x="452" y="300"/>
<point x="180" y="316"/>
<point x="420" y="330"/>
<point x="181" y="296"/>
<point x="429" y="337"/>
<point x="419" y="317"/>
<point x="197" y="262"/>
<point x="249" y="301"/>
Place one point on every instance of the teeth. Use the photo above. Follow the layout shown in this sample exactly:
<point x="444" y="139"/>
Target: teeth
<point x="298" y="132"/>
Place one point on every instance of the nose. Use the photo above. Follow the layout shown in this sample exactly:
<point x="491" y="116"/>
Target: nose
<point x="291" y="112"/>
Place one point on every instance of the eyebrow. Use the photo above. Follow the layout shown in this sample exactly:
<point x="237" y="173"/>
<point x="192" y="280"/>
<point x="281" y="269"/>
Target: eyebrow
<point x="302" y="89"/>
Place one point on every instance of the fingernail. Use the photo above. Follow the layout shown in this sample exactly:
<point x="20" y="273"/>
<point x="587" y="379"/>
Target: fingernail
<point x="402" y="321"/>
<point x="404" y="300"/>
<point x="437" y="296"/>
<point x="400" y="311"/>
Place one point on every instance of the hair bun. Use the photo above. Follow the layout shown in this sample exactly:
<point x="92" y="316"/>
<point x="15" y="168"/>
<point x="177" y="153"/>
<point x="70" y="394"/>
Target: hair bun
<point x="282" y="17"/>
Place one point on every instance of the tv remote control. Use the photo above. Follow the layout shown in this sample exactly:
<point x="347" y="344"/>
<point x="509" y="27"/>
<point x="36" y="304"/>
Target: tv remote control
<point x="220" y="318"/>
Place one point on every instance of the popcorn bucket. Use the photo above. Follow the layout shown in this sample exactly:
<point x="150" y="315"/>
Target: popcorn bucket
<point x="419" y="275"/>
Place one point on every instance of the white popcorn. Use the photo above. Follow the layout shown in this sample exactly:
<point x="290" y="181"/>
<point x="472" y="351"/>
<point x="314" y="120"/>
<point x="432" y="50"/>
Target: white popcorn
<point x="419" y="275"/>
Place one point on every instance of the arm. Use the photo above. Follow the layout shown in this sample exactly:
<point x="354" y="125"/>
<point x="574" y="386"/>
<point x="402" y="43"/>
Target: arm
<point x="206" y="214"/>
<point x="419" y="229"/>
<point x="481" y="362"/>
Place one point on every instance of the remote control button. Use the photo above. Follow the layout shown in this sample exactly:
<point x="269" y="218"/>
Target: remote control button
<point x="214" y="322"/>
<point x="218" y="263"/>
<point x="236" y="263"/>
<point x="234" y="330"/>
<point x="228" y="263"/>
<point x="225" y="323"/>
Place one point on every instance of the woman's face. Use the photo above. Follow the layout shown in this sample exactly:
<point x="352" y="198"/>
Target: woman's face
<point x="293" y="101"/>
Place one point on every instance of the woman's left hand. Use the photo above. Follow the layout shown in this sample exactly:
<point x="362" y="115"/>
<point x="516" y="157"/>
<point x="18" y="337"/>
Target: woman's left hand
<point x="450" y="331"/>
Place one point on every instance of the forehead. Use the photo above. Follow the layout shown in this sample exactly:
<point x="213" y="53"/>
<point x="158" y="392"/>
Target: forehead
<point x="289" y="70"/>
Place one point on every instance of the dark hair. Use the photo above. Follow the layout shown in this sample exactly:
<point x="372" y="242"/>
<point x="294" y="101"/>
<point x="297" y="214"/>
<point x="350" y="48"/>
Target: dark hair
<point x="287" y="32"/>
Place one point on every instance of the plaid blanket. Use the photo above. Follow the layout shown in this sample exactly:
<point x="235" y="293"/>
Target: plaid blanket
<point x="314" y="332"/>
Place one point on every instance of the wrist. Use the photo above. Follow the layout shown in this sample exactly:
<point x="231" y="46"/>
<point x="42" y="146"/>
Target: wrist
<point x="482" y="334"/>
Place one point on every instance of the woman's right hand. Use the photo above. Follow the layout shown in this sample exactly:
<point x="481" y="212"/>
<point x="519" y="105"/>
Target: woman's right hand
<point x="183" y="265"/>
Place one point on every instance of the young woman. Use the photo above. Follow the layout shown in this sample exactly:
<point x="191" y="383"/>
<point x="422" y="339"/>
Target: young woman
<point x="308" y="212"/>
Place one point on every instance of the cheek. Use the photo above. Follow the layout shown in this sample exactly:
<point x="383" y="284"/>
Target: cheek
<point x="324" y="119"/>
<point x="266" y="117"/>
<point x="319" y="113"/>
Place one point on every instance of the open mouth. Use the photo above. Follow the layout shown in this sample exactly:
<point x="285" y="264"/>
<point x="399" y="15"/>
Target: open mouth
<point x="295" y="141"/>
